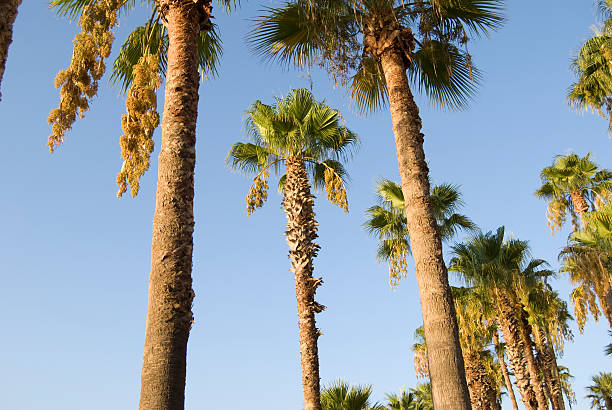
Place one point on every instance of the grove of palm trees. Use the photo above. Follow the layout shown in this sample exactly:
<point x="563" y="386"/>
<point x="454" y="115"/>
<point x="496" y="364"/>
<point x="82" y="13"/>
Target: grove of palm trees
<point x="444" y="183"/>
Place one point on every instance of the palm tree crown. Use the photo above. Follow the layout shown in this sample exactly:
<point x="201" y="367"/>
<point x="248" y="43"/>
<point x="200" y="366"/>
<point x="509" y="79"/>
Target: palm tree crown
<point x="341" y="396"/>
<point x="296" y="126"/>
<point x="600" y="392"/>
<point x="387" y="221"/>
<point x="574" y="185"/>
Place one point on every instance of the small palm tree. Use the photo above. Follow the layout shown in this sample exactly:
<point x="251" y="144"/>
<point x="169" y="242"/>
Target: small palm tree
<point x="383" y="50"/>
<point x="306" y="137"/>
<point x="600" y="392"/>
<point x="8" y="14"/>
<point x="405" y="401"/>
<point x="387" y="221"/>
<point x="574" y="185"/>
<point x="423" y="399"/>
<point x="339" y="396"/>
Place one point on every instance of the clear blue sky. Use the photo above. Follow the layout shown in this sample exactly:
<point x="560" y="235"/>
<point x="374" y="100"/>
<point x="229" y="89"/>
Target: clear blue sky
<point x="74" y="260"/>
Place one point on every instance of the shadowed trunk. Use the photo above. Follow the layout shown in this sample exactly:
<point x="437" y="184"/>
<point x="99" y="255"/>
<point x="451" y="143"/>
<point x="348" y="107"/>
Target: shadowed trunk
<point x="483" y="395"/>
<point x="446" y="369"/>
<point x="8" y="14"/>
<point x="169" y="315"/>
<point x="608" y="401"/>
<point x="532" y="367"/>
<point x="557" y="389"/>
<point x="515" y="348"/>
<point x="301" y="234"/>
<point x="545" y="363"/>
<point x="504" y="369"/>
<point x="606" y="306"/>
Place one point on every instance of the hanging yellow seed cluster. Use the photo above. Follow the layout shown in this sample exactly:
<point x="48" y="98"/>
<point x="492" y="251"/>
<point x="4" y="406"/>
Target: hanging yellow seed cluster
<point x="334" y="187"/>
<point x="79" y="83"/>
<point x="398" y="265"/>
<point x="420" y="362"/>
<point x="258" y="192"/>
<point x="584" y="301"/>
<point x="139" y="124"/>
<point x="555" y="214"/>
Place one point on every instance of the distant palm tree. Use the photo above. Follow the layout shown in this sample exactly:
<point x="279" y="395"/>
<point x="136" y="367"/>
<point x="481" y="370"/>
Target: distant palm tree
<point x="387" y="221"/>
<point x="8" y="14"/>
<point x="304" y="142"/>
<point x="600" y="392"/>
<point x="339" y="396"/>
<point x="422" y="397"/>
<point x="405" y="401"/>
<point x="572" y="184"/>
<point x="384" y="50"/>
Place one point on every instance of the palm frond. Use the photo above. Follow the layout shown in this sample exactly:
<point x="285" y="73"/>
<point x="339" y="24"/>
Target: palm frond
<point x="368" y="86"/>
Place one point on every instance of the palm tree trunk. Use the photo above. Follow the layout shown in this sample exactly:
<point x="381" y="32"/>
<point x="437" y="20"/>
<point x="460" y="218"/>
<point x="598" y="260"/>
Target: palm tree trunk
<point x="301" y="234"/>
<point x="556" y="387"/>
<point x="580" y="205"/>
<point x="532" y="367"/>
<point x="545" y="356"/>
<point x="545" y="370"/>
<point x="608" y="401"/>
<point x="169" y="315"/>
<point x="483" y="396"/>
<point x="504" y="369"/>
<point x="515" y="347"/>
<point x="449" y="387"/>
<point x="8" y="14"/>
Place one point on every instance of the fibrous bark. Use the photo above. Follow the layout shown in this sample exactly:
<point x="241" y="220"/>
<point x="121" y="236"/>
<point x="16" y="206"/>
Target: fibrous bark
<point x="545" y="363"/>
<point x="515" y="348"/>
<point x="301" y="234"/>
<point x="504" y="369"/>
<point x="8" y="14"/>
<point x="483" y="395"/>
<point x="446" y="368"/>
<point x="532" y="367"/>
<point x="169" y="315"/>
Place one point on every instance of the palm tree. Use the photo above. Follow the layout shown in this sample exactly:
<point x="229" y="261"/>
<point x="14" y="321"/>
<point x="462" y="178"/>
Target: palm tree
<point x="600" y="392"/>
<point x="588" y="261"/>
<point x="405" y="401"/>
<point x="369" y="45"/>
<point x="387" y="221"/>
<point x="572" y="184"/>
<point x="308" y="138"/>
<point x="502" y="267"/>
<point x="422" y="395"/>
<point x="593" y="87"/>
<point x="339" y="396"/>
<point x="565" y="377"/>
<point x="500" y="348"/>
<point x="8" y="14"/>
<point x="175" y="42"/>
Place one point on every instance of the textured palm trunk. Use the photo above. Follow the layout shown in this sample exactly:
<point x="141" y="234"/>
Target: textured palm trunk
<point x="515" y="348"/>
<point x="556" y="387"/>
<point x="605" y="300"/>
<point x="8" y="14"/>
<point x="608" y="401"/>
<point x="301" y="234"/>
<point x="504" y="369"/>
<point x="169" y="315"/>
<point x="544" y="364"/>
<point x="532" y="367"/>
<point x="446" y="369"/>
<point x="483" y="395"/>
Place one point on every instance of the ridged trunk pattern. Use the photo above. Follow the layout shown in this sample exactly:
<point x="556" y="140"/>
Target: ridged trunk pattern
<point x="532" y="367"/>
<point x="544" y="363"/>
<point x="504" y="369"/>
<point x="556" y="387"/>
<point x="515" y="348"/>
<point x="8" y="14"/>
<point x="483" y="395"/>
<point x="169" y="315"/>
<point x="446" y="368"/>
<point x="301" y="234"/>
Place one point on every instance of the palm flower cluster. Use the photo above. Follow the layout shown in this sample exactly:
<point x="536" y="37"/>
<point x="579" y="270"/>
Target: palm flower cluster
<point x="79" y="82"/>
<point x="139" y="123"/>
<point x="258" y="193"/>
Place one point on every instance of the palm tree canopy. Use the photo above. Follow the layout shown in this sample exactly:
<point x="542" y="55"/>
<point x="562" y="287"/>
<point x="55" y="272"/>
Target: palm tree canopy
<point x="341" y="396"/>
<point x="342" y="35"/>
<point x="296" y="126"/>
<point x="571" y="184"/>
<point x="600" y="391"/>
<point x="405" y="401"/>
<point x="422" y="397"/>
<point x="387" y="221"/>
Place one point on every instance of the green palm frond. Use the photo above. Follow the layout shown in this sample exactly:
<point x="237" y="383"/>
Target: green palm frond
<point x="152" y="38"/>
<point x="478" y="16"/>
<point x="368" y="86"/>
<point x="72" y="9"/>
<point x="444" y="73"/>
<point x="340" y="396"/>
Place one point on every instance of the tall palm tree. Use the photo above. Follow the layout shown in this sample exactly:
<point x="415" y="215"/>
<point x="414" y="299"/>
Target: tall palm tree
<point x="588" y="261"/>
<point x="387" y="221"/>
<point x="501" y="267"/>
<point x="404" y="401"/>
<point x="178" y="51"/>
<point x="370" y="45"/>
<point x="600" y="392"/>
<point x="592" y="66"/>
<point x="306" y="137"/>
<point x="339" y="396"/>
<point x="572" y="184"/>
<point x="8" y="14"/>
<point x="499" y="350"/>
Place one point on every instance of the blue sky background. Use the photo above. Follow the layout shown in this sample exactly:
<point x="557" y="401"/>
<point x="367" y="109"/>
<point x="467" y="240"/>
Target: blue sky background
<point x="74" y="260"/>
